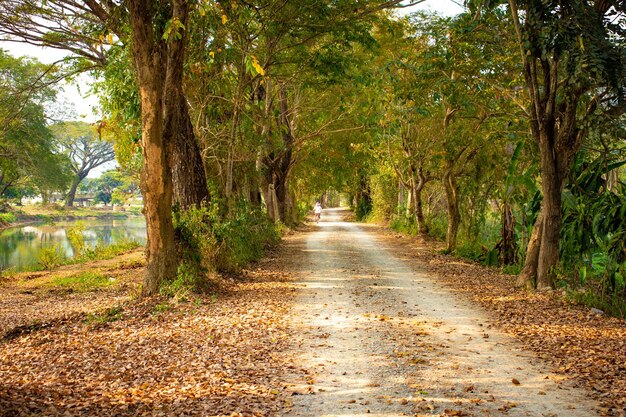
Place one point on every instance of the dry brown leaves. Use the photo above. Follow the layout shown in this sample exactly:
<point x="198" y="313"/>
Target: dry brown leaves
<point x="580" y="344"/>
<point x="213" y="356"/>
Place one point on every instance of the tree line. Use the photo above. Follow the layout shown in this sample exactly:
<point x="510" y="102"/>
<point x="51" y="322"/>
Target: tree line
<point x="496" y="128"/>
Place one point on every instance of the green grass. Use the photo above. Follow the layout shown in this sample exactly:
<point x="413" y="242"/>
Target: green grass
<point x="52" y="258"/>
<point x="7" y="218"/>
<point x="84" y="282"/>
<point x="107" y="316"/>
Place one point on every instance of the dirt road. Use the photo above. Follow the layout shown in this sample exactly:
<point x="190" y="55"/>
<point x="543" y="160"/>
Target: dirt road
<point x="373" y="336"/>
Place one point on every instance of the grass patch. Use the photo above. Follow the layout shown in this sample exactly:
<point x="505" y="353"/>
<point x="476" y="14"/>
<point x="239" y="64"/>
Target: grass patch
<point x="51" y="258"/>
<point x="84" y="282"/>
<point x="107" y="316"/>
<point x="6" y="218"/>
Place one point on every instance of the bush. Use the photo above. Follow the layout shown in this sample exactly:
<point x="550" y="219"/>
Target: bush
<point x="403" y="224"/>
<point x="102" y="251"/>
<point x="209" y="242"/>
<point x="77" y="240"/>
<point x="243" y="237"/>
<point x="52" y="257"/>
<point x="438" y="226"/>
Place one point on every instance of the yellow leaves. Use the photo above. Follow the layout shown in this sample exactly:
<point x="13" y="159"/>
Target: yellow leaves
<point x="212" y="55"/>
<point x="253" y="66"/>
<point x="108" y="39"/>
<point x="255" y="63"/>
<point x="224" y="19"/>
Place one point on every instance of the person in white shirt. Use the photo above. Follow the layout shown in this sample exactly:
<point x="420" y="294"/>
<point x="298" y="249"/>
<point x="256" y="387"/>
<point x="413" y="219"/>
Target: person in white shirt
<point x="318" y="211"/>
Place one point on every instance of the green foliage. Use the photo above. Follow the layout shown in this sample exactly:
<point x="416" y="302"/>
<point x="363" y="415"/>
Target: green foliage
<point x="102" y="251"/>
<point x="243" y="237"/>
<point x="27" y="160"/>
<point x="77" y="240"/>
<point x="7" y="218"/>
<point x="193" y="228"/>
<point x="403" y="224"/>
<point x="593" y="234"/>
<point x="209" y="241"/>
<point x="438" y="225"/>
<point x="384" y="195"/>
<point x="50" y="258"/>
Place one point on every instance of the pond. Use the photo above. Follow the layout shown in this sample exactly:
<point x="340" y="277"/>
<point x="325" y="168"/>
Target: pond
<point x="20" y="246"/>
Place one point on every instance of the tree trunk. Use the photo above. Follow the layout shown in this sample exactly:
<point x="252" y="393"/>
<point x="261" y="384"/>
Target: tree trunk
<point x="420" y="219"/>
<point x="272" y="204"/>
<point x="551" y="185"/>
<point x="156" y="182"/>
<point x="528" y="277"/>
<point x="278" y="163"/>
<point x="188" y="175"/>
<point x="454" y="215"/>
<point x="508" y="243"/>
<point x="71" y="195"/>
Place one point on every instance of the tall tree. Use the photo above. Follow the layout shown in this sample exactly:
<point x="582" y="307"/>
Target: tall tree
<point x="574" y="67"/>
<point x="84" y="149"/>
<point x="156" y="32"/>
<point x="26" y="144"/>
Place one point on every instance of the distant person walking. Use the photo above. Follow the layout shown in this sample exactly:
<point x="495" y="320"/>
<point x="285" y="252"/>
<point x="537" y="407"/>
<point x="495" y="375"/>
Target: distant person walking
<point x="318" y="211"/>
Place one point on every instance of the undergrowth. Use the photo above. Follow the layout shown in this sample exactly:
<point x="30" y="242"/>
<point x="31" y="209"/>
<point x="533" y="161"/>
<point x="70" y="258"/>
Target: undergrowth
<point x="211" y="242"/>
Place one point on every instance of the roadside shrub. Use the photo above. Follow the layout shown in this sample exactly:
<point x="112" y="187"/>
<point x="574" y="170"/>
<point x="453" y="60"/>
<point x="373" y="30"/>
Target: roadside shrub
<point x="243" y="237"/>
<point x="438" y="226"/>
<point x="384" y="194"/>
<point x="197" y="247"/>
<point x="403" y="224"/>
<point x="207" y="241"/>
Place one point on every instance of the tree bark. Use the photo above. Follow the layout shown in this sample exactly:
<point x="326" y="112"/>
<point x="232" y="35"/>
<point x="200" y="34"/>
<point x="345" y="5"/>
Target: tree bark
<point x="71" y="194"/>
<point x="156" y="182"/>
<point x="508" y="243"/>
<point x="454" y="215"/>
<point x="188" y="175"/>
<point x="420" y="219"/>
<point x="552" y="176"/>
<point x="528" y="276"/>
<point x="278" y="163"/>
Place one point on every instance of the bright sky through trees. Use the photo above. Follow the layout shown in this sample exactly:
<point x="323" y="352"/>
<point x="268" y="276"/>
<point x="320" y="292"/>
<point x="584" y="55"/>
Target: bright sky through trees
<point x="83" y="103"/>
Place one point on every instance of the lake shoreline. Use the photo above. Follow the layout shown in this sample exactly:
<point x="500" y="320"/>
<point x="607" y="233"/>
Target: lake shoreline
<point x="24" y="241"/>
<point x="28" y="215"/>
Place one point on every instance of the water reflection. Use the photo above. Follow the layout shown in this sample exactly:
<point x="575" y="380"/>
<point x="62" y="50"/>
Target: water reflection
<point x="20" y="246"/>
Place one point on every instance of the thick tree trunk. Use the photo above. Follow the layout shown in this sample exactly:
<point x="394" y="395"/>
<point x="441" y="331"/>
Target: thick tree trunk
<point x="188" y="175"/>
<point x="454" y="215"/>
<point x="156" y="181"/>
<point x="551" y="186"/>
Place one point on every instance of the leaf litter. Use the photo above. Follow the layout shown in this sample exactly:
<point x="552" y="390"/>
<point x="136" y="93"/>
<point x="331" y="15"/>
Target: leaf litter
<point x="213" y="355"/>
<point x="224" y="356"/>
